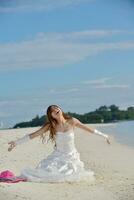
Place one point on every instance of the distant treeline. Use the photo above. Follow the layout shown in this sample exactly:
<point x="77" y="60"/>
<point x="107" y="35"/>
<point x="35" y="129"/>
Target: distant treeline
<point x="103" y="114"/>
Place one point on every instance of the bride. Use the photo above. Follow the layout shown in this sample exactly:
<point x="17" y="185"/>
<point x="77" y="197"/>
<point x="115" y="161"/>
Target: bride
<point x="64" y="163"/>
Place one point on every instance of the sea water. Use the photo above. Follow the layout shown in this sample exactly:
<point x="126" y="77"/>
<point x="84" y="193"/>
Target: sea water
<point x="122" y="131"/>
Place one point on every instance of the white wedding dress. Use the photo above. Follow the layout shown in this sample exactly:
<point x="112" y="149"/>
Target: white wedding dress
<point x="62" y="165"/>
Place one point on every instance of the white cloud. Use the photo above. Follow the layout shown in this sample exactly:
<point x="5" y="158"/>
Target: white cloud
<point x="13" y="102"/>
<point x="5" y="115"/>
<point x="80" y="35"/>
<point x="97" y="33"/>
<point x="37" y="5"/>
<point x="125" y="105"/>
<point x="118" y="86"/>
<point x="52" y="50"/>
<point x="96" y="81"/>
<point x="64" y="90"/>
<point x="103" y="83"/>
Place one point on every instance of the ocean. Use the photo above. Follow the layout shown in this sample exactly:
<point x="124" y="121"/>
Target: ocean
<point x="122" y="131"/>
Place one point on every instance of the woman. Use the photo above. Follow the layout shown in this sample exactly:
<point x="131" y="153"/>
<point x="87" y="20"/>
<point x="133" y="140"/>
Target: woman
<point x="64" y="163"/>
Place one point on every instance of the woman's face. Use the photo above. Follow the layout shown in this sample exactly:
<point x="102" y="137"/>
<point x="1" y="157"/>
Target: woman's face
<point x="56" y="112"/>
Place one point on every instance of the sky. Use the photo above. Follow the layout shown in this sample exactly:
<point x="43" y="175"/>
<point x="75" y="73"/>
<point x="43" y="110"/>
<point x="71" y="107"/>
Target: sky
<point x="77" y="54"/>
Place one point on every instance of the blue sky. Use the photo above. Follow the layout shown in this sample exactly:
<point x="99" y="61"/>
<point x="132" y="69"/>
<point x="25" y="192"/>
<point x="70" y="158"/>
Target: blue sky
<point x="74" y="53"/>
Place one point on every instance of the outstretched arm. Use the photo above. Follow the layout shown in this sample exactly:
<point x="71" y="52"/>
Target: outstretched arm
<point x="27" y="137"/>
<point x="79" y="124"/>
<point x="42" y="130"/>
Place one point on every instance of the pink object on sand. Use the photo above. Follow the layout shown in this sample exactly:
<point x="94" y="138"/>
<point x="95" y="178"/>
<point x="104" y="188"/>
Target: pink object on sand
<point x="7" y="174"/>
<point x="9" y="177"/>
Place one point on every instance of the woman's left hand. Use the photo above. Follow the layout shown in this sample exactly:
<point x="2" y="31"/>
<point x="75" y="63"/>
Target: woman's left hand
<point x="107" y="139"/>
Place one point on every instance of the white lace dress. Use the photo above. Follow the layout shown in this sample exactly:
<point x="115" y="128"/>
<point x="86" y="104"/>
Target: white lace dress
<point x="62" y="165"/>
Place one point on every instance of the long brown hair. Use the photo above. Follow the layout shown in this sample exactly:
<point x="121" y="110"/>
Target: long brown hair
<point x="53" y="122"/>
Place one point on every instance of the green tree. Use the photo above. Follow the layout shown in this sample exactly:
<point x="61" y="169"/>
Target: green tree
<point x="114" y="108"/>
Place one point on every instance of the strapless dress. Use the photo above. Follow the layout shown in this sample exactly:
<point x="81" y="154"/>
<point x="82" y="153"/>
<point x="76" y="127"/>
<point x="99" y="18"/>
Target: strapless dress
<point x="62" y="165"/>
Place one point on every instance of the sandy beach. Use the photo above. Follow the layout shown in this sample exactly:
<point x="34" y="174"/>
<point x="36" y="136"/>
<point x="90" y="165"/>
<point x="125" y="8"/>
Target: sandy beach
<point x="113" y="166"/>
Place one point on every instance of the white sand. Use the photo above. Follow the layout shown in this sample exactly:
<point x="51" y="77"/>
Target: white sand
<point x="113" y="165"/>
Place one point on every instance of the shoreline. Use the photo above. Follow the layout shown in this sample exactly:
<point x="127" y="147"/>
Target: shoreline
<point x="116" y="138"/>
<point x="31" y="129"/>
<point x="95" y="124"/>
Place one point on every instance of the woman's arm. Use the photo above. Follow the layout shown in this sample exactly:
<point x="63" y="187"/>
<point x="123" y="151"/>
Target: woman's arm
<point x="27" y="137"/>
<point x="79" y="124"/>
<point x="42" y="130"/>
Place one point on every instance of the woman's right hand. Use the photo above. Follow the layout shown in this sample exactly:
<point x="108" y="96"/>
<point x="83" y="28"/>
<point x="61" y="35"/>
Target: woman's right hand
<point x="12" y="145"/>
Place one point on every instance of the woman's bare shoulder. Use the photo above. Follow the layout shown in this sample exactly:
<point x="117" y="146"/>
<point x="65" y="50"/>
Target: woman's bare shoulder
<point x="73" y="121"/>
